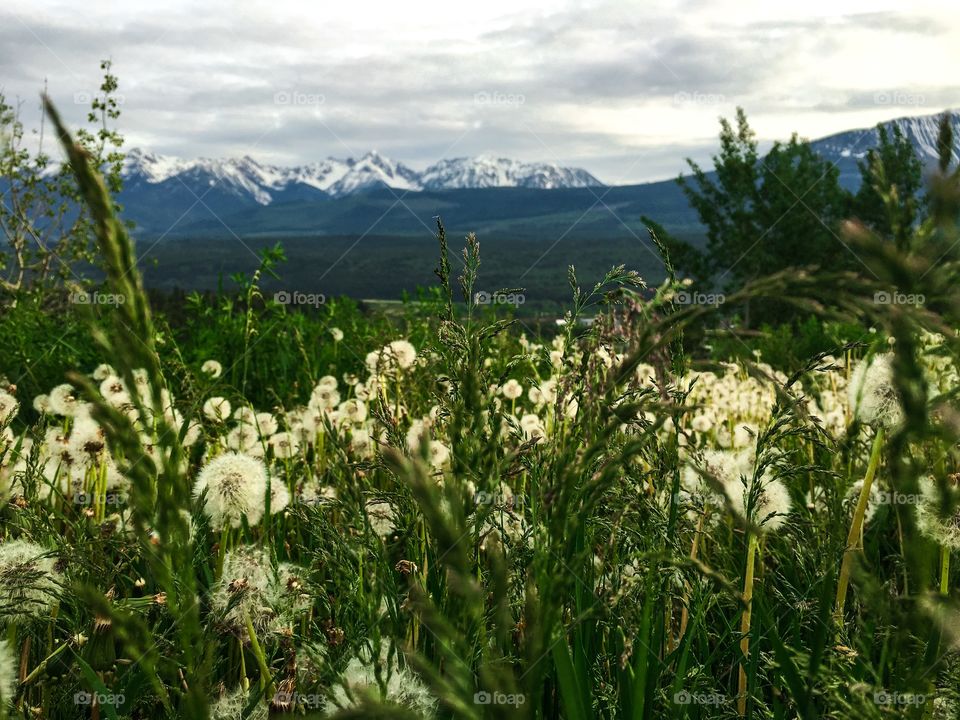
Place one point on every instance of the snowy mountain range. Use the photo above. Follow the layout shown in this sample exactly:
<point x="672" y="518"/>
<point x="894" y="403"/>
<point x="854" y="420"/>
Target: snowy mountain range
<point x="172" y="196"/>
<point x="264" y="184"/>
<point x="846" y="148"/>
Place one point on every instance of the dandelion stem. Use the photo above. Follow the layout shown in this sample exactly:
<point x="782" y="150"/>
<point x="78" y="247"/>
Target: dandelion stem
<point x="944" y="570"/>
<point x="856" y="527"/>
<point x="266" y="681"/>
<point x="745" y="623"/>
<point x="43" y="664"/>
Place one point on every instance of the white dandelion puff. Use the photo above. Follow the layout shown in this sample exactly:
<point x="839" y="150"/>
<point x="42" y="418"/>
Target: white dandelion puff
<point x="29" y="580"/>
<point x="9" y="406"/>
<point x="284" y="445"/>
<point x="400" y="686"/>
<point x="382" y="517"/>
<point x="103" y="371"/>
<point x="771" y="505"/>
<point x="872" y="392"/>
<point x="63" y="400"/>
<point x="212" y="368"/>
<point x="217" y="409"/>
<point x="511" y="389"/>
<point x="233" y="486"/>
<point x="943" y="528"/>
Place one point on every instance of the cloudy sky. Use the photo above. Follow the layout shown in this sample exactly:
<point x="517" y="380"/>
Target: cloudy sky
<point x="625" y="89"/>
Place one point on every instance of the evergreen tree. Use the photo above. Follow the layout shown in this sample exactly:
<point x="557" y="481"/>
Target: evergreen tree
<point x="891" y="169"/>
<point x="764" y="215"/>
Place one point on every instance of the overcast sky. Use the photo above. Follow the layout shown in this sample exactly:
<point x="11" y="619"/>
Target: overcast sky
<point x="623" y="89"/>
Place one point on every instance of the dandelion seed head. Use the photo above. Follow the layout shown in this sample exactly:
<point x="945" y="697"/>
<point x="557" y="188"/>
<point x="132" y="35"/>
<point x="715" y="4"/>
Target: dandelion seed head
<point x="212" y="368"/>
<point x="772" y="504"/>
<point x="235" y="486"/>
<point x="945" y="530"/>
<point x="103" y="371"/>
<point x="512" y="389"/>
<point x="29" y="581"/>
<point x="402" y="687"/>
<point x="872" y="392"/>
<point x="63" y="400"/>
<point x="217" y="409"/>
<point x="285" y="445"/>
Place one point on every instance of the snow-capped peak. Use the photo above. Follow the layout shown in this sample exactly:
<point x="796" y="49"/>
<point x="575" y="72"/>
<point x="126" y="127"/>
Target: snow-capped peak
<point x="261" y="182"/>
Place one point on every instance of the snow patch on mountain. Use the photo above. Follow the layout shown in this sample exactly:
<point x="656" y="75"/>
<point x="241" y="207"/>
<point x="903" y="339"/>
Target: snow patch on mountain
<point x="261" y="182"/>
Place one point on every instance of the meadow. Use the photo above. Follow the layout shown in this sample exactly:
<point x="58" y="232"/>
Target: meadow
<point x="237" y="509"/>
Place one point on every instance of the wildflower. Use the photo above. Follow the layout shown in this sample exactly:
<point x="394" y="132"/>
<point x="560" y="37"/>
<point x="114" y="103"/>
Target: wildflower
<point x="231" y="706"/>
<point x="284" y="445"/>
<point x="337" y="334"/>
<point x="246" y="587"/>
<point x="29" y="582"/>
<point x="361" y="441"/>
<point x="403" y="352"/>
<point x="279" y="497"/>
<point x="324" y="397"/>
<point x="212" y="368"/>
<point x="292" y="597"/>
<point x="103" y="371"/>
<point x="771" y="505"/>
<point x="872" y="393"/>
<point x="87" y="442"/>
<point x="381" y="516"/>
<point x="532" y="427"/>
<point x="63" y="400"/>
<point x="114" y="391"/>
<point x="359" y="681"/>
<point x="245" y="415"/>
<point x="944" y="529"/>
<point x="8" y="407"/>
<point x="354" y="411"/>
<point x="702" y="423"/>
<point x="217" y="409"/>
<point x="41" y="403"/>
<point x="232" y="485"/>
<point x="266" y="423"/>
<point x="512" y="389"/>
<point x="244" y="439"/>
<point x="438" y="453"/>
<point x="417" y="428"/>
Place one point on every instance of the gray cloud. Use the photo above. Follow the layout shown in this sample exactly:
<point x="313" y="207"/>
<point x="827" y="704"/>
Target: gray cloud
<point x="622" y="91"/>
